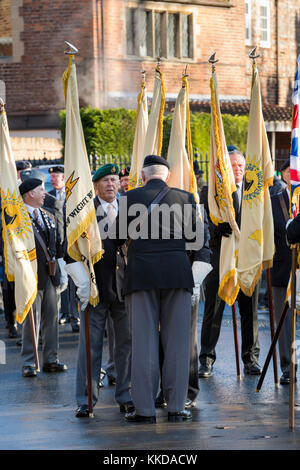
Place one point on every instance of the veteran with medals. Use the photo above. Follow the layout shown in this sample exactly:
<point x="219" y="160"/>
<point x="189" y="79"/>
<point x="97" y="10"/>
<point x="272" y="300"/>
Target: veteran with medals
<point x="48" y="249"/>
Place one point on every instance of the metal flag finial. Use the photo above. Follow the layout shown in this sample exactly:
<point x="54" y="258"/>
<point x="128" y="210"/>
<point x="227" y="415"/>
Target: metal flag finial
<point x="72" y="50"/>
<point x="212" y="60"/>
<point x="252" y="54"/>
<point x="184" y="73"/>
<point x="2" y="104"/>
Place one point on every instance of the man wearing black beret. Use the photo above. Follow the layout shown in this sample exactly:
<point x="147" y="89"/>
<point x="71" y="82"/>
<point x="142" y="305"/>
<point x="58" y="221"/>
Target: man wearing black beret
<point x="158" y="286"/>
<point x="48" y="248"/>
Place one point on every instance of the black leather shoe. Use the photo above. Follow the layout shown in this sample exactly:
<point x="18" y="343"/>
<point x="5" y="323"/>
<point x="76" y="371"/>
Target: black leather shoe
<point x="252" y="368"/>
<point x="111" y="380"/>
<point x="127" y="407"/>
<point x="65" y="318"/>
<point x="82" y="411"/>
<point x="19" y="342"/>
<point x="160" y="401"/>
<point x="189" y="403"/>
<point x="179" y="416"/>
<point x="285" y="378"/>
<point x="54" y="367"/>
<point x="12" y="331"/>
<point x="205" y="371"/>
<point x="29" y="371"/>
<point x="134" y="418"/>
<point x="75" y="328"/>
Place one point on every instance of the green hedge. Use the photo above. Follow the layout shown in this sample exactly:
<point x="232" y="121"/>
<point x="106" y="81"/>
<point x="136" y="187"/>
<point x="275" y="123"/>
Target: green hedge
<point x="111" y="131"/>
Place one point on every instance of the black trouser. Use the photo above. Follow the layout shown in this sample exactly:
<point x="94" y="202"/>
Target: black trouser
<point x="212" y="319"/>
<point x="8" y="293"/>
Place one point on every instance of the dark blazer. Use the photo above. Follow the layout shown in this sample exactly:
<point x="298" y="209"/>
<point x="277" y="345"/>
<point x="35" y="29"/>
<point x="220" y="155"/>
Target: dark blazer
<point x="52" y="241"/>
<point x="58" y="209"/>
<point x="293" y="230"/>
<point x="215" y="239"/>
<point x="109" y="271"/>
<point x="282" y="261"/>
<point x="157" y="263"/>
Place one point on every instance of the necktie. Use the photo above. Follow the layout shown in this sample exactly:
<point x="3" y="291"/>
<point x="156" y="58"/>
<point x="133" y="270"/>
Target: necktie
<point x="111" y="214"/>
<point x="37" y="217"/>
<point x="60" y="195"/>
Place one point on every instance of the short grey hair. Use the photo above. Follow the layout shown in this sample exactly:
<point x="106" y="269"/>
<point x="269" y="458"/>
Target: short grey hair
<point x="156" y="170"/>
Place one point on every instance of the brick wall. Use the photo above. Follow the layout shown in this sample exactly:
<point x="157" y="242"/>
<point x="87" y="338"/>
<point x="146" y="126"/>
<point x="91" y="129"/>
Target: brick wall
<point x="108" y="77"/>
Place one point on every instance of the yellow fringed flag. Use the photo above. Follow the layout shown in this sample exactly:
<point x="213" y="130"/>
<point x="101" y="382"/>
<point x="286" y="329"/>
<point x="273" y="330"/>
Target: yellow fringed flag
<point x="220" y="188"/>
<point x="180" y="160"/>
<point x="154" y="135"/>
<point x="256" y="248"/>
<point x="84" y="242"/>
<point x="18" y="236"/>
<point x="137" y="159"/>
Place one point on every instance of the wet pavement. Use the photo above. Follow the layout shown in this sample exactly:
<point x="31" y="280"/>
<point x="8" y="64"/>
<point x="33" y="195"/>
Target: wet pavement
<point x="38" y="413"/>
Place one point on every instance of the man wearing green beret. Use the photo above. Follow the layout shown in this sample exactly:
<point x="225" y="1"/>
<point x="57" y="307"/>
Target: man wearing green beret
<point x="109" y="272"/>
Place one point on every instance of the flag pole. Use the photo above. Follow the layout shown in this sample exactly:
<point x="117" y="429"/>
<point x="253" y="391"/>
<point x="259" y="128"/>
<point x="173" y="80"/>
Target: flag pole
<point x="292" y="340"/>
<point x="34" y="339"/>
<point x="273" y="345"/>
<point x="72" y="51"/>
<point x="272" y="327"/>
<point x="236" y="342"/>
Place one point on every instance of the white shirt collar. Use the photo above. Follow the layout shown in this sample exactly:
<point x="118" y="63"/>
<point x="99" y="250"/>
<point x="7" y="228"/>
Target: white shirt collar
<point x="105" y="204"/>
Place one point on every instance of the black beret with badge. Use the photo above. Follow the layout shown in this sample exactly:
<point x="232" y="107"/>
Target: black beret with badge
<point x="104" y="170"/>
<point x="155" y="160"/>
<point x="29" y="184"/>
<point x="56" y="169"/>
<point x="124" y="172"/>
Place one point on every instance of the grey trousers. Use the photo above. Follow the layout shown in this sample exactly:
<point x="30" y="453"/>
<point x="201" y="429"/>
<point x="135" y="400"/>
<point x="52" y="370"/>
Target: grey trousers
<point x="45" y="317"/>
<point x="110" y="366"/>
<point x="122" y="352"/>
<point x="169" y="309"/>
<point x="279" y="294"/>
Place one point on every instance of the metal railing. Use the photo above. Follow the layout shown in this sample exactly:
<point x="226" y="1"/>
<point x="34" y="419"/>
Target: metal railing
<point x="201" y="159"/>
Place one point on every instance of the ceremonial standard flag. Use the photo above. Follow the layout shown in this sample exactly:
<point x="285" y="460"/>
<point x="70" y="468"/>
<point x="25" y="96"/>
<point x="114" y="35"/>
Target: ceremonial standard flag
<point x="18" y="237"/>
<point x="181" y="162"/>
<point x="153" y="139"/>
<point x="256" y="247"/>
<point x="137" y="159"/>
<point x="295" y="147"/>
<point x="220" y="188"/>
<point x="84" y="243"/>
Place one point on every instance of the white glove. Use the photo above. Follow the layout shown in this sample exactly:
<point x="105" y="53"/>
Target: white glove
<point x="200" y="271"/>
<point x="196" y="295"/>
<point x="81" y="280"/>
<point x="63" y="276"/>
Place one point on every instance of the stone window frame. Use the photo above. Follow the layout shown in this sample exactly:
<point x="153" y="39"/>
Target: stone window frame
<point x="17" y="26"/>
<point x="248" y="22"/>
<point x="265" y="43"/>
<point x="164" y="9"/>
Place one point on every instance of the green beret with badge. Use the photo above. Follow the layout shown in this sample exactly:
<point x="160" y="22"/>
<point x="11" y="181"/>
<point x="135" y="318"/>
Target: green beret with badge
<point x="104" y="170"/>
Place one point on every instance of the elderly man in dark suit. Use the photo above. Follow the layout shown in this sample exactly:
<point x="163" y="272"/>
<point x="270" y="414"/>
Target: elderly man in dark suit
<point x="280" y="273"/>
<point x="158" y="286"/>
<point x="109" y="272"/>
<point x="48" y="249"/>
<point x="214" y="306"/>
